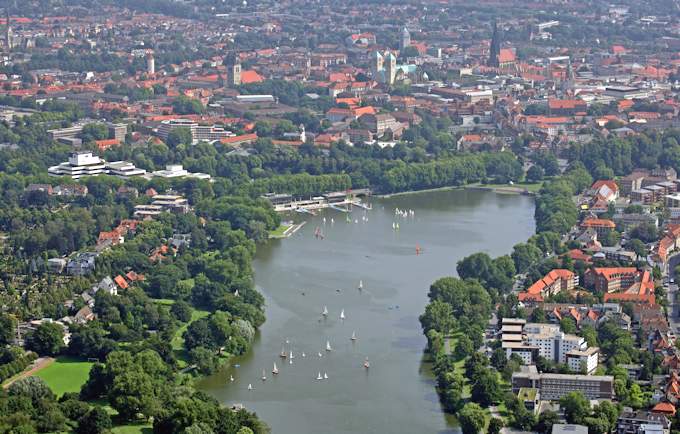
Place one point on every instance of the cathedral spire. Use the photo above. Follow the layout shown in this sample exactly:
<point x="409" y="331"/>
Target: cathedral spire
<point x="495" y="48"/>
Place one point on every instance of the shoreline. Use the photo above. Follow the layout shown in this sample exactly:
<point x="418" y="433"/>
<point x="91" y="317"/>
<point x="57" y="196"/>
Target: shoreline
<point x="506" y="189"/>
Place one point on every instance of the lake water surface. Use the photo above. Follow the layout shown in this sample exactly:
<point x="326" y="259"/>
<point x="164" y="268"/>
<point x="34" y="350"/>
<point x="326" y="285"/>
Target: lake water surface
<point x="396" y="394"/>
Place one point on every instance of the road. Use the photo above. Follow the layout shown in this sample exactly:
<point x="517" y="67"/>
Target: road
<point x="37" y="365"/>
<point x="673" y="307"/>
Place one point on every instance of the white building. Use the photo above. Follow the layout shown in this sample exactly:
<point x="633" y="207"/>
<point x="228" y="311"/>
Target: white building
<point x="177" y="171"/>
<point x="552" y="343"/>
<point x="199" y="133"/>
<point x="583" y="360"/>
<point x="532" y="340"/>
<point x="79" y="164"/>
<point x="123" y="169"/>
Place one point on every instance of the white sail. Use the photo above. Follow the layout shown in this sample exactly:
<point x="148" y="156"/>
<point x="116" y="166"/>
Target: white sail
<point x="366" y="363"/>
<point x="231" y="378"/>
<point x="250" y="386"/>
<point x="303" y="354"/>
<point x="328" y="346"/>
<point x="361" y="284"/>
<point x="236" y="293"/>
<point x="264" y="376"/>
<point x="320" y="355"/>
<point x="342" y="314"/>
<point x="325" y="311"/>
<point x="319" y="377"/>
<point x="325" y="376"/>
<point x="275" y="370"/>
<point x="354" y="336"/>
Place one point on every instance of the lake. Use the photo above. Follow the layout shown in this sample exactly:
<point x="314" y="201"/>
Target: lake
<point x="300" y="275"/>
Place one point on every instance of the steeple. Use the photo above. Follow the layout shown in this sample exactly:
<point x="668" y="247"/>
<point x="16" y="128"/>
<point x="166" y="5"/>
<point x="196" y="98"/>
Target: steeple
<point x="404" y="39"/>
<point x="233" y="64"/>
<point x="8" y="31"/>
<point x="495" y="48"/>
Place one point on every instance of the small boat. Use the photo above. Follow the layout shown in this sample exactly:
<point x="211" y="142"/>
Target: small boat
<point x="397" y="226"/>
<point x="319" y="377"/>
<point x="354" y="336"/>
<point x="303" y="354"/>
<point x="250" y="386"/>
<point x="325" y="376"/>
<point x="332" y="220"/>
<point x="324" y="312"/>
<point x="361" y="284"/>
<point x="264" y="377"/>
<point x="231" y="378"/>
<point x="356" y="221"/>
<point x="366" y="363"/>
<point x="291" y="355"/>
<point x="236" y="293"/>
<point x="324" y="220"/>
<point x="287" y="341"/>
<point x="283" y="353"/>
<point x="342" y="314"/>
<point x="290" y="361"/>
<point x="320" y="355"/>
<point x="328" y="346"/>
<point x="275" y="370"/>
<point x="394" y="225"/>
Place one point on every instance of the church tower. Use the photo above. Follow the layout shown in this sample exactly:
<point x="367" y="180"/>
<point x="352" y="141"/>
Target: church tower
<point x="404" y="39"/>
<point x="390" y="68"/>
<point x="495" y="48"/>
<point x="233" y="65"/>
<point x="8" y="31"/>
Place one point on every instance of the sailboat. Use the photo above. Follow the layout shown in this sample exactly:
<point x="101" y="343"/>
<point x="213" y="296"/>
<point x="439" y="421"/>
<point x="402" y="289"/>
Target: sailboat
<point x="397" y="226"/>
<point x="361" y="284"/>
<point x="354" y="336"/>
<point x="342" y="314"/>
<point x="328" y="346"/>
<point x="250" y="386"/>
<point x="236" y="293"/>
<point x="325" y="311"/>
<point x="275" y="370"/>
<point x="283" y="353"/>
<point x="290" y="361"/>
<point x="264" y="377"/>
<point x="231" y="378"/>
<point x="325" y="376"/>
<point x="332" y="220"/>
<point x="394" y="225"/>
<point x="366" y="363"/>
<point x="303" y="354"/>
<point x="291" y="355"/>
<point x="320" y="355"/>
<point x="319" y="377"/>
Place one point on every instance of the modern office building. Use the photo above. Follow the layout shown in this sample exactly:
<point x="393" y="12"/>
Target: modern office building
<point x="555" y="386"/>
<point x="79" y="164"/>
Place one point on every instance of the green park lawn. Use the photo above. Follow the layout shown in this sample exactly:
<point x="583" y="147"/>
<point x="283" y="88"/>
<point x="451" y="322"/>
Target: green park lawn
<point x="178" y="340"/>
<point x="140" y="428"/>
<point x="66" y="374"/>
<point x="279" y="232"/>
<point x="530" y="186"/>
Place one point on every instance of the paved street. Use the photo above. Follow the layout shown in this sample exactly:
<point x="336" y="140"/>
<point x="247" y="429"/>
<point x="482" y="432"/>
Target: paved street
<point x="673" y="308"/>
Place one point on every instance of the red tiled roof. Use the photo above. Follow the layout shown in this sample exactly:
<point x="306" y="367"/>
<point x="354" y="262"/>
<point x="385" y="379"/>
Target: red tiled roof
<point x="120" y="281"/>
<point x="251" y="76"/>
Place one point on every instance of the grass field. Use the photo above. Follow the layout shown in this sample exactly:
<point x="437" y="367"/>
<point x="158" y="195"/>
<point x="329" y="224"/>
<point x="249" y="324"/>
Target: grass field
<point x="178" y="340"/>
<point x="141" y="428"/>
<point x="66" y="374"/>
<point x="279" y="232"/>
<point x="531" y="186"/>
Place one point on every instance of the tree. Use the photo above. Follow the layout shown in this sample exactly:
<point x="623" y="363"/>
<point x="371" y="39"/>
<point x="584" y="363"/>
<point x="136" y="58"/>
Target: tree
<point x="95" y="421"/>
<point x="576" y="407"/>
<point x="495" y="425"/>
<point x="181" y="310"/>
<point x="463" y="348"/>
<point x="545" y="422"/>
<point x="47" y="339"/>
<point x="498" y="359"/>
<point x="535" y="174"/>
<point x="206" y="361"/>
<point x="646" y="232"/>
<point x="486" y="389"/>
<point x="471" y="418"/>
<point x="638" y="247"/>
<point x="524" y="255"/>
<point x="568" y="325"/>
<point x="438" y="316"/>
<point x="179" y="136"/>
<point x="133" y="392"/>
<point x="33" y="388"/>
<point x="94" y="131"/>
<point x="7" y="329"/>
